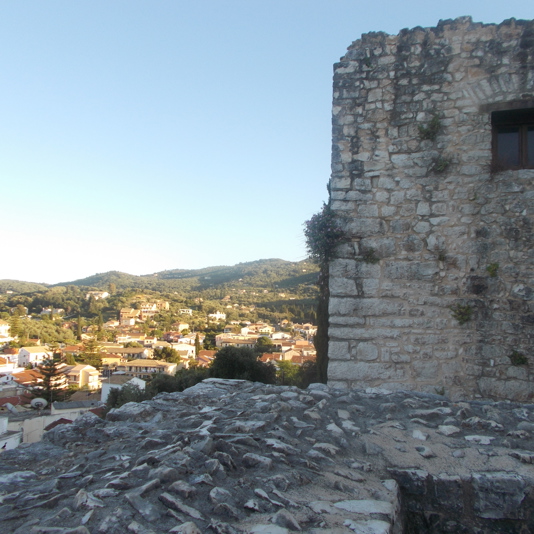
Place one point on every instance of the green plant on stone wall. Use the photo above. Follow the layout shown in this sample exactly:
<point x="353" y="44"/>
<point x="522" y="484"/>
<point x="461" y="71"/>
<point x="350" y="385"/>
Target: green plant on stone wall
<point x="441" y="164"/>
<point x="369" y="255"/>
<point x="493" y="269"/>
<point x="518" y="358"/>
<point x="431" y="130"/>
<point x="462" y="313"/>
<point x="323" y="234"/>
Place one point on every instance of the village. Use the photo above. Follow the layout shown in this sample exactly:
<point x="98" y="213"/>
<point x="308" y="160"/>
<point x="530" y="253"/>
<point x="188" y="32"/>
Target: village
<point x="46" y="384"/>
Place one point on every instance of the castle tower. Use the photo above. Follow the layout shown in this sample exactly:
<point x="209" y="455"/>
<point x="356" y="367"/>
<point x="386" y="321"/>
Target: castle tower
<point x="433" y="182"/>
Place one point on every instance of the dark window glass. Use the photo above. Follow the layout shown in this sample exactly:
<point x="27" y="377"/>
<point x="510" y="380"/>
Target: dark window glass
<point x="513" y="139"/>
<point x="508" y="147"/>
<point x="530" y="146"/>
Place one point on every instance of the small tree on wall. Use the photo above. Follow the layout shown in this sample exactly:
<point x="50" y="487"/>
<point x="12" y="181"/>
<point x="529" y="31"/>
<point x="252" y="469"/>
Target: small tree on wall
<point x="323" y="235"/>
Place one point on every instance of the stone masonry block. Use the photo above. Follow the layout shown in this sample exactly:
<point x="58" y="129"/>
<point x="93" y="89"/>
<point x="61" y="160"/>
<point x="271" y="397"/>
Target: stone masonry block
<point x="398" y="270"/>
<point x="343" y="287"/>
<point x="366" y="372"/>
<point x="366" y="351"/>
<point x="339" y="350"/>
<point x="498" y="495"/>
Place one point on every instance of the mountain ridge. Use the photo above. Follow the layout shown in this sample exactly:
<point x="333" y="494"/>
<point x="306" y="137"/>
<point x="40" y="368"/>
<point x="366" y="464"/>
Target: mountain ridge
<point x="271" y="272"/>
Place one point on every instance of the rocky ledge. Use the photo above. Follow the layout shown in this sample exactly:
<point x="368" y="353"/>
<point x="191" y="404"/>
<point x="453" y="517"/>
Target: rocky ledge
<point x="230" y="456"/>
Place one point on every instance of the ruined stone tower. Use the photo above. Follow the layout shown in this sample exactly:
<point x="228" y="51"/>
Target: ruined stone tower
<point x="433" y="180"/>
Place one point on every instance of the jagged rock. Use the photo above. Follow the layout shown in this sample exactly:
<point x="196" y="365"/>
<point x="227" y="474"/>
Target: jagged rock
<point x="448" y="430"/>
<point x="130" y="411"/>
<point x="219" y="495"/>
<point x="58" y="530"/>
<point x="87" y="500"/>
<point x="255" y="460"/>
<point x="144" y="507"/>
<point x="285" y="519"/>
<point x="136" y="528"/>
<point x="183" y="489"/>
<point x="186" y="528"/>
<point x="426" y="452"/>
<point x="18" y="476"/>
<point x="179" y="506"/>
<point x="366" y="506"/>
<point x="372" y="526"/>
<point x="164" y="474"/>
<point x="289" y="462"/>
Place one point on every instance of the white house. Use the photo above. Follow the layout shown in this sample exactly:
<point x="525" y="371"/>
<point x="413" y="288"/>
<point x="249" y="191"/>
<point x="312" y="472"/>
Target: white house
<point x="97" y="295"/>
<point x="217" y="316"/>
<point x="280" y="335"/>
<point x="4" y="328"/>
<point x="33" y="355"/>
<point x="4" y="333"/>
<point x="184" y="349"/>
<point x="8" y="439"/>
<point x="72" y="410"/>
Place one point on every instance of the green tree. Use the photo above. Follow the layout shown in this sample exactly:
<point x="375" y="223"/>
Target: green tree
<point x="53" y="384"/>
<point x="241" y="363"/>
<point x="128" y="393"/>
<point x="112" y="288"/>
<point x="16" y="327"/>
<point x="167" y="354"/>
<point x="263" y="345"/>
<point x="92" y="353"/>
<point x="288" y="373"/>
<point x="183" y="379"/>
<point x="197" y="345"/>
<point x="79" y="328"/>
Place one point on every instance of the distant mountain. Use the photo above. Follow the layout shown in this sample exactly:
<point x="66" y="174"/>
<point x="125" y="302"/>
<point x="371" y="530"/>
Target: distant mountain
<point x="268" y="273"/>
<point x="20" y="287"/>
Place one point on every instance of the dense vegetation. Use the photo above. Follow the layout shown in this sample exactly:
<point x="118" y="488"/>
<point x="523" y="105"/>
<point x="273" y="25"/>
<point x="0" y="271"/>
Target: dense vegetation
<point x="268" y="290"/>
<point x="230" y="362"/>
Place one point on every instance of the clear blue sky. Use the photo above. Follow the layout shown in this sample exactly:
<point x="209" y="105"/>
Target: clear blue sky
<point x="159" y="134"/>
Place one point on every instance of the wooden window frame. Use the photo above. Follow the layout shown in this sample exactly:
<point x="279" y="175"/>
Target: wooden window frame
<point x="520" y="119"/>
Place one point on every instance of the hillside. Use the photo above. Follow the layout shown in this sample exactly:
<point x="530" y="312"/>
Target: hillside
<point x="20" y="287"/>
<point x="275" y="288"/>
<point x="264" y="274"/>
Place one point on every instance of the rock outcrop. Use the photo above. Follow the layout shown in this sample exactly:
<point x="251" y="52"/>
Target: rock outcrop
<point x="230" y="456"/>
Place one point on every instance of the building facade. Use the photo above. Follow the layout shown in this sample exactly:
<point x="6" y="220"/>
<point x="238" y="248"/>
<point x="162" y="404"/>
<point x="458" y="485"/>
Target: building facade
<point x="433" y="183"/>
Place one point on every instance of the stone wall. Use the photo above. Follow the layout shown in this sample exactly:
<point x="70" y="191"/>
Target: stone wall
<point x="432" y="225"/>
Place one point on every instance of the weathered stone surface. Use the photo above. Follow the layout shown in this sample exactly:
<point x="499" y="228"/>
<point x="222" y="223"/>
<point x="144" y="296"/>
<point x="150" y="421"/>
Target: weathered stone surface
<point x="327" y="473"/>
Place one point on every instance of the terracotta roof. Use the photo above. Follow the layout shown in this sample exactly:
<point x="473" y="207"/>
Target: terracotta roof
<point x="207" y="353"/>
<point x="85" y="395"/>
<point x="17" y="400"/>
<point x="60" y="421"/>
<point x="28" y="376"/>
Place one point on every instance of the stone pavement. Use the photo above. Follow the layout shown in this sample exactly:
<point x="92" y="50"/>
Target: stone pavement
<point x="230" y="456"/>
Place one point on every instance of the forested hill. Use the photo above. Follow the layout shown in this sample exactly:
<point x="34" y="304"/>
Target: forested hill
<point x="266" y="274"/>
<point x="20" y="287"/>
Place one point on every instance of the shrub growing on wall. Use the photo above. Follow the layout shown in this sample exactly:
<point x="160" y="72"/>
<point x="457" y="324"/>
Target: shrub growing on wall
<point x="323" y="235"/>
